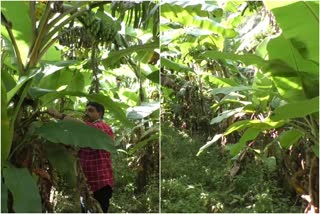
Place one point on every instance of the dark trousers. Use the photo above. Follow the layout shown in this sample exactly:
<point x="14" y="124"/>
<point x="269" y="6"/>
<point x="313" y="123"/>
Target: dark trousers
<point x="103" y="196"/>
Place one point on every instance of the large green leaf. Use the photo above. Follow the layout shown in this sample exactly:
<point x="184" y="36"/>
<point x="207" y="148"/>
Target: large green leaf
<point x="226" y="114"/>
<point x="6" y="134"/>
<point x="292" y="83"/>
<point x="54" y="74"/>
<point x="76" y="134"/>
<point x="174" y="66"/>
<point x="17" y="12"/>
<point x="289" y="56"/>
<point x="144" y="57"/>
<point x="256" y="124"/>
<point x="290" y="88"/>
<point x="131" y="97"/>
<point x="77" y="82"/>
<point x="154" y="76"/>
<point x="261" y="97"/>
<point x="63" y="161"/>
<point x="296" y="109"/>
<point x="220" y="81"/>
<point x="36" y="92"/>
<point x="200" y="7"/>
<point x="51" y="55"/>
<point x="147" y="69"/>
<point x="114" y="56"/>
<point x="294" y="76"/>
<point x="261" y="49"/>
<point x="209" y="143"/>
<point x="53" y="77"/>
<point x="292" y="62"/>
<point x="142" y="111"/>
<point x="249" y="134"/>
<point x="228" y="90"/>
<point x="22" y="81"/>
<point x="4" y="197"/>
<point x="193" y="17"/>
<point x="279" y="63"/>
<point x="248" y="59"/>
<point x="113" y="107"/>
<point x="299" y="21"/>
<point x="10" y="60"/>
<point x="290" y="137"/>
<point x="8" y="80"/>
<point x="26" y="197"/>
<point x="171" y="36"/>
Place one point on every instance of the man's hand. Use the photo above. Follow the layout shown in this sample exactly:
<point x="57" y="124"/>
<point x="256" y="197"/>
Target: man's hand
<point x="54" y="113"/>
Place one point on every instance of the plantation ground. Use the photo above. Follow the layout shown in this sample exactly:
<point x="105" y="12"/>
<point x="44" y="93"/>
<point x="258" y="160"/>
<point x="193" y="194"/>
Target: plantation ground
<point x="203" y="184"/>
<point x="125" y="197"/>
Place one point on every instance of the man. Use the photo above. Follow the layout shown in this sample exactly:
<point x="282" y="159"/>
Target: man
<point x="96" y="164"/>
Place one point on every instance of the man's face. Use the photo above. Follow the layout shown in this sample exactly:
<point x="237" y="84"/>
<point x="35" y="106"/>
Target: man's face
<point x="91" y="114"/>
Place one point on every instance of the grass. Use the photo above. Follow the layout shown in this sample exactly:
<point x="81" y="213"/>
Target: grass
<point x="125" y="199"/>
<point x="202" y="184"/>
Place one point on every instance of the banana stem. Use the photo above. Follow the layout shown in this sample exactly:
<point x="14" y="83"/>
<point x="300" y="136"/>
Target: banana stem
<point x="57" y="28"/>
<point x="33" y="19"/>
<point x="64" y="14"/>
<point x="8" y="26"/>
<point x="34" y="51"/>
<point x="16" y="110"/>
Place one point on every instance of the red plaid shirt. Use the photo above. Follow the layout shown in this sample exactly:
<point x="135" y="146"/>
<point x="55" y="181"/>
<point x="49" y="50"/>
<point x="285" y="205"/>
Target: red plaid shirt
<point x="96" y="164"/>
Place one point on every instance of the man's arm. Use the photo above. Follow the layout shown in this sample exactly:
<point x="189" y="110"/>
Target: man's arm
<point x="54" y="113"/>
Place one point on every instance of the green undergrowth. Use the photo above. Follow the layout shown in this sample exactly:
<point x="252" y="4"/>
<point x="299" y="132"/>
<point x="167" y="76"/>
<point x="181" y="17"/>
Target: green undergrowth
<point x="125" y="198"/>
<point x="203" y="184"/>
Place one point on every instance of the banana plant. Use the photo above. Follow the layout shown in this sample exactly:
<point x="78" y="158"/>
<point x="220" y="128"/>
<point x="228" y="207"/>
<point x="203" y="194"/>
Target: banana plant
<point x="33" y="75"/>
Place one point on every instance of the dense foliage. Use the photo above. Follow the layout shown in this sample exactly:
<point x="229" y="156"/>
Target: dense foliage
<point x="62" y="54"/>
<point x="239" y="104"/>
<point x="244" y="76"/>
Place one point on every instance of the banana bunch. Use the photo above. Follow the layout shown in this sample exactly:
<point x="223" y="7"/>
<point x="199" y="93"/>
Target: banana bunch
<point x="94" y="29"/>
<point x="102" y="27"/>
<point x="76" y="37"/>
<point x="108" y="30"/>
<point x="88" y="18"/>
<point x="86" y="38"/>
<point x="64" y="38"/>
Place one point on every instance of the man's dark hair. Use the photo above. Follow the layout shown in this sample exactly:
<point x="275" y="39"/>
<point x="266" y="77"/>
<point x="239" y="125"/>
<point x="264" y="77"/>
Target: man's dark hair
<point x="98" y="106"/>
